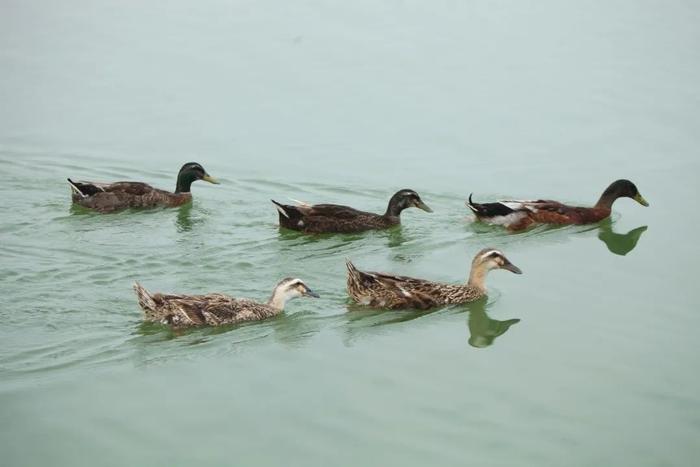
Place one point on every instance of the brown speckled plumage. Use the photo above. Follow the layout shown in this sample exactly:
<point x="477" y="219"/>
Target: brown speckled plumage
<point x="382" y="290"/>
<point x="215" y="309"/>
<point x="327" y="218"/>
<point x="518" y="215"/>
<point x="122" y="195"/>
<point x="111" y="197"/>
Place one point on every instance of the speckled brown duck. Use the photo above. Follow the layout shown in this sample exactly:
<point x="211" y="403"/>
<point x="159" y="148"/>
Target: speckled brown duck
<point x="111" y="197"/>
<point x="519" y="215"/>
<point x="322" y="218"/>
<point x="216" y="309"/>
<point x="380" y="290"/>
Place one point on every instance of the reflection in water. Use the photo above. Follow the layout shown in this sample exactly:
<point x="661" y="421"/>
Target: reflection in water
<point x="295" y="329"/>
<point x="482" y="329"/>
<point x="363" y="322"/>
<point x="184" y="221"/>
<point x="362" y="316"/>
<point x="149" y="332"/>
<point x="395" y="236"/>
<point x="305" y="238"/>
<point x="620" y="244"/>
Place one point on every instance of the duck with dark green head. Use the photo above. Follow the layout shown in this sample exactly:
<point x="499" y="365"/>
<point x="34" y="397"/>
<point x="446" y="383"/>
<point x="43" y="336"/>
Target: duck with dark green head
<point x="518" y="215"/>
<point x="111" y="197"/>
<point x="324" y="218"/>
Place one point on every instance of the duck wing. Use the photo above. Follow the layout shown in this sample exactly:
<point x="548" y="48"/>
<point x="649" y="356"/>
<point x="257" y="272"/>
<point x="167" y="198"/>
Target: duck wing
<point x="131" y="188"/>
<point x="86" y="189"/>
<point x="321" y="218"/>
<point x="333" y="210"/>
<point x="554" y="212"/>
<point x="391" y="291"/>
<point x="210" y="309"/>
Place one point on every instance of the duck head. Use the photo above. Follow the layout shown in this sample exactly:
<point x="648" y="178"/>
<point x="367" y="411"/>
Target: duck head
<point x="620" y="189"/>
<point x="403" y="199"/>
<point x="189" y="173"/>
<point x="288" y="289"/>
<point x="487" y="260"/>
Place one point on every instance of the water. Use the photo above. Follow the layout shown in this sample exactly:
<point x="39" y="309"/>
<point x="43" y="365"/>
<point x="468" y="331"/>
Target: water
<point x="348" y="103"/>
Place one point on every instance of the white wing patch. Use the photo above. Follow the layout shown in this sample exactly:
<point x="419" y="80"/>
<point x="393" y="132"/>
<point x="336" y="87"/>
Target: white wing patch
<point x="301" y="203"/>
<point x="511" y="218"/>
<point x="518" y="205"/>
<point x="404" y="292"/>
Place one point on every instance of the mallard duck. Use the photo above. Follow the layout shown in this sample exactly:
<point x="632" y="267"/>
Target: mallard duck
<point x="519" y="215"/>
<point x="320" y="218"/>
<point x="381" y="290"/>
<point x="111" y="197"/>
<point x="216" y="309"/>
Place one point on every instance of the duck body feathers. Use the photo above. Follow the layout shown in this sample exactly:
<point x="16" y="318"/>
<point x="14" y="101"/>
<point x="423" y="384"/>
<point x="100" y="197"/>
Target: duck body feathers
<point x="518" y="215"/>
<point x="335" y="218"/>
<point x="521" y="214"/>
<point x="380" y="290"/>
<point x="331" y="218"/>
<point x="111" y="197"/>
<point x="195" y="310"/>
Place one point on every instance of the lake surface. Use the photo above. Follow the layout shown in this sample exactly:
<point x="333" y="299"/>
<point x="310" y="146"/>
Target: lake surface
<point x="589" y="358"/>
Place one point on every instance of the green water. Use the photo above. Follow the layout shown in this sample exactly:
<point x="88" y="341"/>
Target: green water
<point x="349" y="102"/>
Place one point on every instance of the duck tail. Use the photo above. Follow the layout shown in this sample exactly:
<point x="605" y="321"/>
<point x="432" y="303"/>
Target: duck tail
<point x="145" y="298"/>
<point x="75" y="189"/>
<point x="354" y="281"/>
<point x="356" y="278"/>
<point x="475" y="207"/>
<point x="351" y="267"/>
<point x="281" y="208"/>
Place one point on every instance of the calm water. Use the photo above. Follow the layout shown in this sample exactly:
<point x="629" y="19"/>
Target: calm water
<point x="589" y="358"/>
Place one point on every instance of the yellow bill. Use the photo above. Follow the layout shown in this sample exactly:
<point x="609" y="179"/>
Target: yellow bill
<point x="640" y="199"/>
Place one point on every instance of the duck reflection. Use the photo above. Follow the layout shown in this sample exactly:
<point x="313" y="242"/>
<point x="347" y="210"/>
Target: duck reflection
<point x="395" y="237"/>
<point x="184" y="221"/>
<point x="295" y="329"/>
<point x="482" y="329"/>
<point x="620" y="244"/>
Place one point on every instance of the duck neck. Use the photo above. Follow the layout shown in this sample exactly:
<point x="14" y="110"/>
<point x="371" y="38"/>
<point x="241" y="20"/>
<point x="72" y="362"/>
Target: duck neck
<point x="393" y="209"/>
<point x="278" y="300"/>
<point x="184" y="182"/>
<point x="477" y="278"/>
<point x="607" y="199"/>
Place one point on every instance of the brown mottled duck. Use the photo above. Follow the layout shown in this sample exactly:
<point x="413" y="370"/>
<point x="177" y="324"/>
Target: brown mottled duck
<point x="380" y="290"/>
<point x="216" y="309"/>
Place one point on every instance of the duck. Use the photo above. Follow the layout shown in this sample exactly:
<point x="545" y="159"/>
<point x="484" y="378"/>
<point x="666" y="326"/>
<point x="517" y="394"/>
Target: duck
<point x="380" y="290"/>
<point x="216" y="309"/>
<point x="112" y="197"/>
<point x="519" y="215"/>
<point x="334" y="218"/>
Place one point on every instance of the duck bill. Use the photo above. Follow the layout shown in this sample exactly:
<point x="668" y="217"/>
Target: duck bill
<point x="640" y="199"/>
<point x="512" y="268"/>
<point x="311" y="293"/>
<point x="423" y="206"/>
<point x="210" y="179"/>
